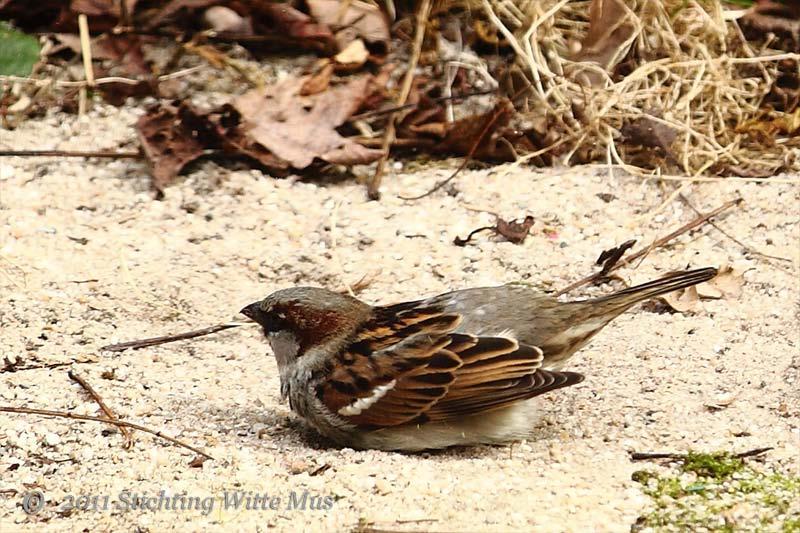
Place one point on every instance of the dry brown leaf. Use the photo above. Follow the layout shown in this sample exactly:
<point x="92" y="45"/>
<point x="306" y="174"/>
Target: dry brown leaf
<point x="647" y="131"/>
<point x="684" y="300"/>
<point x="295" y="24"/>
<point x="359" y="20"/>
<point x="479" y="132"/>
<point x="299" y="128"/>
<point x="609" y="37"/>
<point x="610" y="257"/>
<point x="98" y="8"/>
<point x="124" y="50"/>
<point x="174" y="6"/>
<point x="354" y="55"/>
<point x="766" y="128"/>
<point x="727" y="284"/>
<point x="116" y="93"/>
<point x="513" y="230"/>
<point x="318" y="82"/>
<point x="225" y="19"/>
<point x="168" y="142"/>
<point x="779" y="18"/>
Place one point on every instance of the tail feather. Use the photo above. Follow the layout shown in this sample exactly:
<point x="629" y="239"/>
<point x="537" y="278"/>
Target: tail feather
<point x="590" y="316"/>
<point x="671" y="282"/>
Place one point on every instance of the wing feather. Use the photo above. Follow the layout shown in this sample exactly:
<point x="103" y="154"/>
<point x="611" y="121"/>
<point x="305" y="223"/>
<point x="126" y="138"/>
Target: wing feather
<point x="407" y="365"/>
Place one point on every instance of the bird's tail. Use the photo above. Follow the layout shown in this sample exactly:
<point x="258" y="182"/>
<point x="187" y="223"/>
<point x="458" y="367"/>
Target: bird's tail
<point x="671" y="282"/>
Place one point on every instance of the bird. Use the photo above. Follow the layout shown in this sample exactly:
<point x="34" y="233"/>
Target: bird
<point x="455" y="369"/>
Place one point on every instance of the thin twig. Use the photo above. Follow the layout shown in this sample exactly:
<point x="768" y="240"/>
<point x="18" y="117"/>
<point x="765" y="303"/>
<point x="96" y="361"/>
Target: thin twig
<point x="106" y="409"/>
<point x="647" y="456"/>
<point x="87" y="418"/>
<point x="396" y="108"/>
<point x="86" y="55"/>
<point x="97" y="81"/>
<point x="747" y="248"/>
<point x="154" y="341"/>
<point x="499" y="111"/>
<point x="641" y="173"/>
<point x="16" y="367"/>
<point x="124" y="16"/>
<point x="373" y="187"/>
<point x="647" y="249"/>
<point x="86" y="49"/>
<point x="70" y="153"/>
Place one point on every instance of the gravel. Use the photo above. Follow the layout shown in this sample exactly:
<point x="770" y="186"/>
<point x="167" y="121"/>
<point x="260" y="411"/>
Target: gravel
<point x="222" y="238"/>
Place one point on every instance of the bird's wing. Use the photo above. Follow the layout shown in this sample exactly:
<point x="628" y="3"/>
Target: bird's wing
<point x="408" y="366"/>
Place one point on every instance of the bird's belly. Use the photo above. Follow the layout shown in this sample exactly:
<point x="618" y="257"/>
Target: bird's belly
<point x="501" y="426"/>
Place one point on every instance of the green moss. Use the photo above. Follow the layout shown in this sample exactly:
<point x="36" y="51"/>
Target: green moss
<point x="717" y="466"/>
<point x="643" y="476"/>
<point x="791" y="526"/>
<point x="720" y="493"/>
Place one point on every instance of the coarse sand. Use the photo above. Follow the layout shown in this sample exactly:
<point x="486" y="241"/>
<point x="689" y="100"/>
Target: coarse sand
<point x="88" y="257"/>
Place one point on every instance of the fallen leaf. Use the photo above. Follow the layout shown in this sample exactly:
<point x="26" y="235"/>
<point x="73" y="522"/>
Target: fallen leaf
<point x="101" y="8"/>
<point x="214" y="56"/>
<point x="765" y="128"/>
<point x="116" y="93"/>
<point x="125" y="50"/>
<point x="236" y="142"/>
<point x="172" y="8"/>
<point x="225" y="19"/>
<point x="782" y="19"/>
<point x="103" y="15"/>
<point x="480" y="132"/>
<point x="609" y="258"/>
<point x="358" y="20"/>
<point x="297" y="25"/>
<point x="608" y="39"/>
<point x="318" y="82"/>
<point x="606" y="196"/>
<point x="751" y="171"/>
<point x="29" y="15"/>
<point x="354" y="55"/>
<point x="168" y="142"/>
<point x="198" y="461"/>
<point x="683" y="301"/>
<point x="514" y="230"/>
<point x="298" y="129"/>
<point x="726" y="284"/>
<point x="649" y="132"/>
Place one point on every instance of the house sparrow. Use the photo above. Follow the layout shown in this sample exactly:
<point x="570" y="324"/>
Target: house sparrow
<point x="453" y="369"/>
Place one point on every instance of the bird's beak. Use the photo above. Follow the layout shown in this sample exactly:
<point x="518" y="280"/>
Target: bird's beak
<point x="252" y="311"/>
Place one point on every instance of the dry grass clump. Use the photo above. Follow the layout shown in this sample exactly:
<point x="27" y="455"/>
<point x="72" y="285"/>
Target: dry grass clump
<point x="650" y="83"/>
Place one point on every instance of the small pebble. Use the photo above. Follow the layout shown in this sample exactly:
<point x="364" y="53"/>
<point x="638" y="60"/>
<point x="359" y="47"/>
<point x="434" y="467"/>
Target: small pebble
<point x="51" y="439"/>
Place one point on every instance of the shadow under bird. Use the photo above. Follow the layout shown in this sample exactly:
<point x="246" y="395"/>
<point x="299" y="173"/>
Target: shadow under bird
<point x="454" y="369"/>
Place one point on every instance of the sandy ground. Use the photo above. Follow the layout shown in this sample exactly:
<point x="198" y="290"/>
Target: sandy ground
<point x="88" y="258"/>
